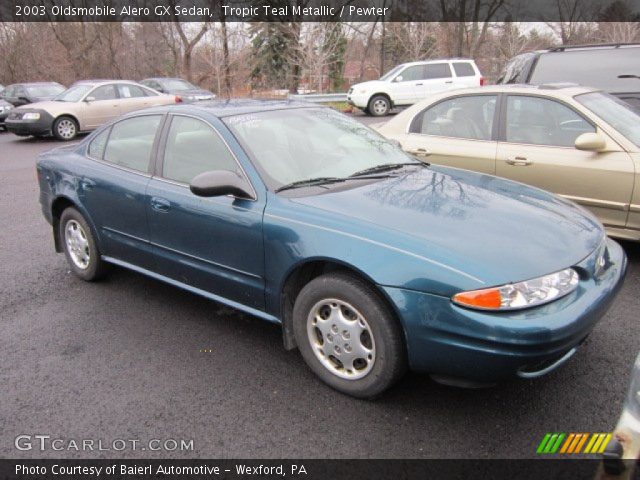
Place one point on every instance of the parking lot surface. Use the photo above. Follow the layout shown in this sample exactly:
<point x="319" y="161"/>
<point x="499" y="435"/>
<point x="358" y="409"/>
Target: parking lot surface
<point x="133" y="358"/>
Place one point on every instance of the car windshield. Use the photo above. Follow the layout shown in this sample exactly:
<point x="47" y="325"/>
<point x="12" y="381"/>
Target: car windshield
<point x="74" y="94"/>
<point x="615" y="112"/>
<point x="44" y="90"/>
<point x="311" y="143"/>
<point x="391" y="73"/>
<point x="176" y="84"/>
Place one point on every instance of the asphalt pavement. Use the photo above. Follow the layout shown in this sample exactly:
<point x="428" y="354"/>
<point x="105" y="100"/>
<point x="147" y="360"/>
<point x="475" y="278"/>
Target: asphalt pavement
<point x="133" y="358"/>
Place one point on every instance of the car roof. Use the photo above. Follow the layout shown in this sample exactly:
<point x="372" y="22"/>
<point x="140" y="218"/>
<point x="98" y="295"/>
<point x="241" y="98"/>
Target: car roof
<point x="552" y="89"/>
<point x="164" y="78"/>
<point x="436" y="60"/>
<point x="228" y="108"/>
<point x="34" y="83"/>
<point x="104" y="82"/>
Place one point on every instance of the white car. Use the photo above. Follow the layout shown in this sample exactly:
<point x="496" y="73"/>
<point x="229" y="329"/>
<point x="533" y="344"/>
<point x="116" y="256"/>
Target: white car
<point x="409" y="83"/>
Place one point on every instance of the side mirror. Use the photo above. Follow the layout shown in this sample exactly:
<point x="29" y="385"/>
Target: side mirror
<point x="217" y="183"/>
<point x="89" y="99"/>
<point x="593" y="142"/>
<point x="398" y="78"/>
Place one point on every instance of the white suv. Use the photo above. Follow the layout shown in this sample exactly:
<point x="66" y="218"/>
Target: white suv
<point x="409" y="83"/>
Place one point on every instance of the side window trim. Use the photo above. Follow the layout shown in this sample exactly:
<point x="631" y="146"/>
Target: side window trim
<point x="495" y="127"/>
<point x="101" y="159"/>
<point x="162" y="144"/>
<point x="502" y="137"/>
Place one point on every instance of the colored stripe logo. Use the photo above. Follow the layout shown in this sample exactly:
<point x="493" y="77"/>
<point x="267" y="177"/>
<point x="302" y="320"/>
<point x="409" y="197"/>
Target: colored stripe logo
<point x="573" y="443"/>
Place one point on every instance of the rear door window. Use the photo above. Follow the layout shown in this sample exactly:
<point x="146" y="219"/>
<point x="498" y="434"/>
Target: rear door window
<point x="130" y="91"/>
<point x="436" y="70"/>
<point x="468" y="117"/>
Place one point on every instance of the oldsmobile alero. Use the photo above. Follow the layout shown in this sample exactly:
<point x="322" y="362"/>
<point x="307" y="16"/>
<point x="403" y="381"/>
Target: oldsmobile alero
<point x="372" y="261"/>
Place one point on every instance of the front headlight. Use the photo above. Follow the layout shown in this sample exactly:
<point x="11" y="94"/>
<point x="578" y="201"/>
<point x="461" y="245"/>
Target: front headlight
<point x="31" y="116"/>
<point x="514" y="296"/>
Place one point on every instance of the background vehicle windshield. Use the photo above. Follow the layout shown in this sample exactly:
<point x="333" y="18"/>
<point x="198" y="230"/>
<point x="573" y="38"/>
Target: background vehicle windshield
<point x="391" y="73"/>
<point x="74" y="94"/>
<point x="44" y="90"/>
<point x="293" y="145"/>
<point x="176" y="84"/>
<point x="615" y="112"/>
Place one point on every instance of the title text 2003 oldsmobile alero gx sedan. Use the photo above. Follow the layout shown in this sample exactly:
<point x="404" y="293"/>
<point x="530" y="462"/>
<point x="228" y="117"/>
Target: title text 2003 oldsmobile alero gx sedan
<point x="371" y="260"/>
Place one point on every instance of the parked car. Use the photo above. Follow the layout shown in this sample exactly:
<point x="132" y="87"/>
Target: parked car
<point x="5" y="108"/>
<point x="83" y="108"/>
<point x="369" y="259"/>
<point x="409" y="83"/>
<point x="24" y="93"/>
<point x="186" y="91"/>
<point x="613" y="68"/>
<point x="578" y="142"/>
<point x="622" y="453"/>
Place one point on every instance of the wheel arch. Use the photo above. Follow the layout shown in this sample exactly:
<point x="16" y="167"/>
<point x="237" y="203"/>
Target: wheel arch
<point x="301" y="274"/>
<point x="71" y="116"/>
<point x="384" y="94"/>
<point x="59" y="205"/>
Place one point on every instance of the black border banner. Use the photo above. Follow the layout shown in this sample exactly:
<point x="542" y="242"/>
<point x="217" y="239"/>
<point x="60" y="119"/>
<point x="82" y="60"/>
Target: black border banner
<point x="542" y="468"/>
<point x="319" y="10"/>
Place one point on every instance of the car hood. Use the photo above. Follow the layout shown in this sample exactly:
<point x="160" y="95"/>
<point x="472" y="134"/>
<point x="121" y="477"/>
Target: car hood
<point x="492" y="229"/>
<point x="372" y="84"/>
<point x="52" y="107"/>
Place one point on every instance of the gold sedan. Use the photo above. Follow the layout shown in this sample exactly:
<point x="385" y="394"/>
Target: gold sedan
<point x="82" y="108"/>
<point x="578" y="142"/>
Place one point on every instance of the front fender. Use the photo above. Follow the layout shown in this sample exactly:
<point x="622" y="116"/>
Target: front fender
<point x="293" y="237"/>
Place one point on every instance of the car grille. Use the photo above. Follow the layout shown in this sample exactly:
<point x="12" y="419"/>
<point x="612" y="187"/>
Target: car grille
<point x="15" y="116"/>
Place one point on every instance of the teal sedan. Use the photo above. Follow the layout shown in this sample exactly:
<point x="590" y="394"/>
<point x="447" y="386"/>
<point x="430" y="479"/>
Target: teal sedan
<point x="371" y="261"/>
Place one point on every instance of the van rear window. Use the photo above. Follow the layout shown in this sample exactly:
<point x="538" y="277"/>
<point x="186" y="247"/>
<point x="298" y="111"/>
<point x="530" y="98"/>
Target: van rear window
<point x="463" y="69"/>
<point x="597" y="67"/>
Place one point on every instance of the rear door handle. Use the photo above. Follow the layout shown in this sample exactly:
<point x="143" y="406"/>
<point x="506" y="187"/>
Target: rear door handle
<point x="418" y="84"/>
<point x="449" y="81"/>
<point x="420" y="152"/>
<point x="519" y="161"/>
<point x="160" y="204"/>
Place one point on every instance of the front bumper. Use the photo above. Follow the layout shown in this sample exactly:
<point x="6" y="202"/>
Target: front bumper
<point x="448" y="340"/>
<point x="358" y="100"/>
<point x="42" y="126"/>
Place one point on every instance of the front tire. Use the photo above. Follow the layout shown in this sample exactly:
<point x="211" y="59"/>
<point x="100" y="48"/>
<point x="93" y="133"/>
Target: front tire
<point x="80" y="247"/>
<point x="379" y="106"/>
<point x="65" y="128"/>
<point x="348" y="336"/>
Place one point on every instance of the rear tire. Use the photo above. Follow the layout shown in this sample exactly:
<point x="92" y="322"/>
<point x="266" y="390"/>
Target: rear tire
<point x="379" y="105"/>
<point x="65" y="128"/>
<point x="80" y="247"/>
<point x="348" y="336"/>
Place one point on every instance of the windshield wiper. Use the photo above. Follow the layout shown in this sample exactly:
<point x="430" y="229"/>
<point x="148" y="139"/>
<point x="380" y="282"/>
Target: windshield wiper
<point x="385" y="167"/>
<point x="309" y="183"/>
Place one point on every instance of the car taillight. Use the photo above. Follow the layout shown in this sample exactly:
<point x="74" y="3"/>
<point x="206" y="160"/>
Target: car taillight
<point x="178" y="99"/>
<point x="481" y="81"/>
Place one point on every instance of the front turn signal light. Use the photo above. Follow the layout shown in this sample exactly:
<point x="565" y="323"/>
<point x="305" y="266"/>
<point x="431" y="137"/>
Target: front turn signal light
<point x="515" y="296"/>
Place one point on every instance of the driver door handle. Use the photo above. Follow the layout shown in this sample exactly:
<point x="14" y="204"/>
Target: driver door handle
<point x="160" y="204"/>
<point x="420" y="152"/>
<point x="519" y="161"/>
